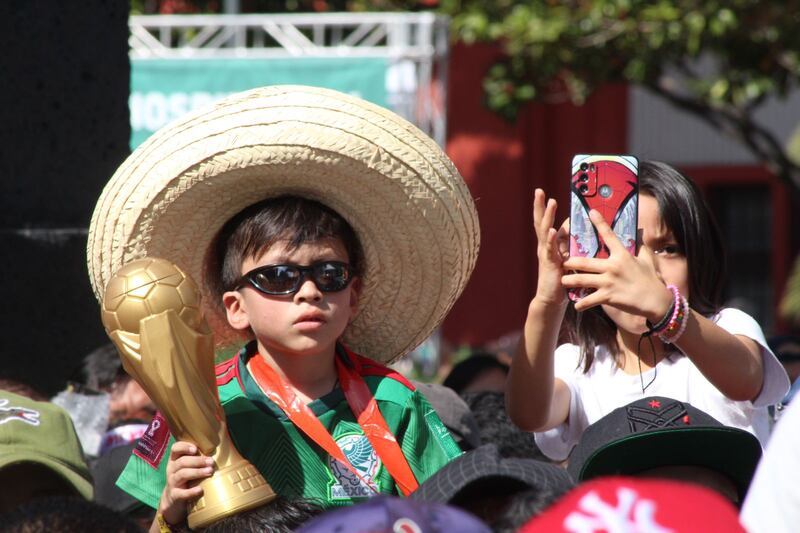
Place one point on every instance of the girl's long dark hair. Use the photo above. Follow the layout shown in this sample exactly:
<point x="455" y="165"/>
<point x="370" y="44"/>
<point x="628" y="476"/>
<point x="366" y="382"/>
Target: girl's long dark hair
<point x="686" y="213"/>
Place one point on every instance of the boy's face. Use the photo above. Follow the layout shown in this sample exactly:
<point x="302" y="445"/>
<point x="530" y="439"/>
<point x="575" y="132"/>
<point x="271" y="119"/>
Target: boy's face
<point x="307" y="322"/>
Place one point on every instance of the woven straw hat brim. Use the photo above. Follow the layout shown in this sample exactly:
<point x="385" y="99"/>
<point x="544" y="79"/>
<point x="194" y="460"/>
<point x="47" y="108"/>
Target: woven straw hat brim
<point x="398" y="190"/>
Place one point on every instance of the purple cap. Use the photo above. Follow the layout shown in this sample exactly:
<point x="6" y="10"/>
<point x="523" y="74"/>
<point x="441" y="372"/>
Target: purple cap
<point x="391" y="514"/>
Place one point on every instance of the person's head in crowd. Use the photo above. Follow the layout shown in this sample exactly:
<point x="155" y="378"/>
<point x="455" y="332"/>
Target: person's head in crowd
<point x="281" y="515"/>
<point x="488" y="410"/>
<point x="23" y="389"/>
<point x="389" y="514"/>
<point x="105" y="471"/>
<point x="632" y="505"/>
<point x="40" y="454"/>
<point x="478" y="372"/>
<point x="521" y="507"/>
<point x="505" y="346"/>
<point x="787" y="349"/>
<point x="454" y="413"/>
<point x="103" y="372"/>
<point x="60" y="514"/>
<point x="276" y="230"/>
<point x="502" y="492"/>
<point x="663" y="438"/>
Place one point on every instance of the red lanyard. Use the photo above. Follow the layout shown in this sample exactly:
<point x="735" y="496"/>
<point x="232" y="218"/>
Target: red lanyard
<point x="363" y="406"/>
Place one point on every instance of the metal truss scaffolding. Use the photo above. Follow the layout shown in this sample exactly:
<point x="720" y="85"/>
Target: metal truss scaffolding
<point x="415" y="44"/>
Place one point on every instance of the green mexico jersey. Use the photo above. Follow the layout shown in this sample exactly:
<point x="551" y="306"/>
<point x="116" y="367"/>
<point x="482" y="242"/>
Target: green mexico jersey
<point x="293" y="464"/>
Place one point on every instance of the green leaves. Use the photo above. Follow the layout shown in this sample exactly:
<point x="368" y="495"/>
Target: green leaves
<point x="574" y="46"/>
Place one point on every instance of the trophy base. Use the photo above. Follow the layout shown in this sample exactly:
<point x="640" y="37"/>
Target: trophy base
<point x="231" y="490"/>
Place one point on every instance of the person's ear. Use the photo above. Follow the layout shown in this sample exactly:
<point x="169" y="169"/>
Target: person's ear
<point x="236" y="310"/>
<point x="355" y="295"/>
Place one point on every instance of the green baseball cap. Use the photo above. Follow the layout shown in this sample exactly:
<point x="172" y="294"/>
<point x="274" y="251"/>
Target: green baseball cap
<point x="42" y="433"/>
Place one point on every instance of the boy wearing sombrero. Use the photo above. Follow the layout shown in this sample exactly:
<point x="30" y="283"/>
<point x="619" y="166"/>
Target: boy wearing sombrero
<point x="336" y="236"/>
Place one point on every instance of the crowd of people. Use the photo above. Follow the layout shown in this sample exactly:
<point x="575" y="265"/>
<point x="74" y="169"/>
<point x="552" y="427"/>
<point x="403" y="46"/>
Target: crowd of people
<point x="320" y="226"/>
<point x="690" y="476"/>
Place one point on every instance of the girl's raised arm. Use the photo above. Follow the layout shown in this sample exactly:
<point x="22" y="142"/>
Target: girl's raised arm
<point x="732" y="363"/>
<point x="535" y="399"/>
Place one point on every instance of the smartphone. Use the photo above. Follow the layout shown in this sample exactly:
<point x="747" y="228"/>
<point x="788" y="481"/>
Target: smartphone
<point x="610" y="185"/>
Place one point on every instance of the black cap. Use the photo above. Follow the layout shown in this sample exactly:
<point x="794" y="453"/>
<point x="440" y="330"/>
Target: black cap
<point x="485" y="466"/>
<point x="105" y="471"/>
<point x="657" y="431"/>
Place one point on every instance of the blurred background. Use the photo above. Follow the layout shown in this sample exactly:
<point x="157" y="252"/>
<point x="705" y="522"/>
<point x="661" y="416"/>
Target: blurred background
<point x="511" y="90"/>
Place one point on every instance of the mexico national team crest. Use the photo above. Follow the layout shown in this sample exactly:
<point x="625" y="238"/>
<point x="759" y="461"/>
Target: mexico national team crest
<point x="359" y="452"/>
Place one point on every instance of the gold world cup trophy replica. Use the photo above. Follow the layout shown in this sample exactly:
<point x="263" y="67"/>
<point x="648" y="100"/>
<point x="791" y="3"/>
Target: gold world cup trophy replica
<point x="151" y="311"/>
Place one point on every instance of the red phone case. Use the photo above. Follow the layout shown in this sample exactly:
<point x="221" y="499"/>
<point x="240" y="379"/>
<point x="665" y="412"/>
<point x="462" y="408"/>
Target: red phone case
<point x="610" y="185"/>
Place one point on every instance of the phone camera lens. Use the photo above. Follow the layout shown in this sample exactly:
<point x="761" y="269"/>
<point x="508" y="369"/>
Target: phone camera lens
<point x="583" y="188"/>
<point x="584" y="166"/>
<point x="583" y="178"/>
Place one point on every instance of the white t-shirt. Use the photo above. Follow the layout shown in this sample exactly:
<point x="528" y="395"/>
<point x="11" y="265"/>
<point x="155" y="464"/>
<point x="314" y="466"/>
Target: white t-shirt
<point x="772" y="504"/>
<point x="606" y="387"/>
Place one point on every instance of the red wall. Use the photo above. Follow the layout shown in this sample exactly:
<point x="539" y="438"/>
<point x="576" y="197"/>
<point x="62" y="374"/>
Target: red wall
<point x="502" y="163"/>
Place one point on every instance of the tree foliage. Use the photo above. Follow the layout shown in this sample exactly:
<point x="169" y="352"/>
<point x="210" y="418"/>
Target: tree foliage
<point x="719" y="60"/>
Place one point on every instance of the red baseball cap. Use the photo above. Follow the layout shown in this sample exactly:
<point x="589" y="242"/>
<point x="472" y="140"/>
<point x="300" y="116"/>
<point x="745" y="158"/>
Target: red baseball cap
<point x="637" y="505"/>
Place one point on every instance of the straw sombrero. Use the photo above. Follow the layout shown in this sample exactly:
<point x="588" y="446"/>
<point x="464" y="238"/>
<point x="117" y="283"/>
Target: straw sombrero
<point x="401" y="194"/>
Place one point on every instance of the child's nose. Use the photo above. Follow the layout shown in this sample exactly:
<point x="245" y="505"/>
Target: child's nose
<point x="308" y="291"/>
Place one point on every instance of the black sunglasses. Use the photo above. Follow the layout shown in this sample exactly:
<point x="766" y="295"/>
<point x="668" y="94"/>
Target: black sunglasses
<point x="277" y="280"/>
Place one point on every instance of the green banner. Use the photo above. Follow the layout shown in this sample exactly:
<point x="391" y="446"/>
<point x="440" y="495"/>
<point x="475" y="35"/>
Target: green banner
<point x="164" y="89"/>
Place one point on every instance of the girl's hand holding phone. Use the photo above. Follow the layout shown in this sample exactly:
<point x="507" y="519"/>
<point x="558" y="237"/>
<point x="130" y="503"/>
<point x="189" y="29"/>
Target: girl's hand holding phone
<point x="629" y="283"/>
<point x="551" y="250"/>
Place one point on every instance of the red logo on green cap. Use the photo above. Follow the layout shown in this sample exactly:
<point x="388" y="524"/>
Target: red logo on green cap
<point x="22" y="414"/>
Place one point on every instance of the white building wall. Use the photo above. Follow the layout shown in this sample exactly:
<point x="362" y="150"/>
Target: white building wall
<point x="658" y="130"/>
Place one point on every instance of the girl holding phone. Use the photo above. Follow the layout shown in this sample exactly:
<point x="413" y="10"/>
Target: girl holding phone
<point x="650" y="322"/>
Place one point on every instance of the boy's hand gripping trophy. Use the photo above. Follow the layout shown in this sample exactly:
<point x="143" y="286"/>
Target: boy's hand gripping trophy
<point x="151" y="311"/>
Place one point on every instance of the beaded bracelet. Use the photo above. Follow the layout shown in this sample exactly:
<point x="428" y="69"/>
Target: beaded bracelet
<point x="675" y="320"/>
<point x="676" y="329"/>
<point x="669" y="317"/>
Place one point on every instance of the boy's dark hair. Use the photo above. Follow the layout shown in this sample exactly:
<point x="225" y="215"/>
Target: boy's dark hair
<point x="281" y="515"/>
<point x="65" y="514"/>
<point x="23" y="389"/>
<point x="464" y="372"/>
<point x="686" y="213"/>
<point x="503" y="504"/>
<point x="521" y="507"/>
<point x="292" y="219"/>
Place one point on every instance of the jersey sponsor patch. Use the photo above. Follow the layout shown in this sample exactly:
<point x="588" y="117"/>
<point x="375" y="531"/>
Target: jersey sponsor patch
<point x="153" y="442"/>
<point x="346" y="485"/>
